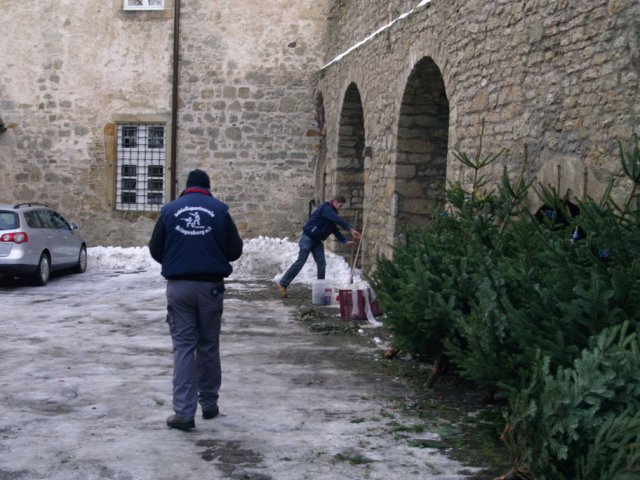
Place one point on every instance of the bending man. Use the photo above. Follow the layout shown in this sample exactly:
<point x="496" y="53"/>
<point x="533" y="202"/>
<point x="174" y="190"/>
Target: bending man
<point x="323" y="222"/>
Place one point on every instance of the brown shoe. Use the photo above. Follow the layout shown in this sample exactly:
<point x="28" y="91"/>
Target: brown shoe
<point x="282" y="290"/>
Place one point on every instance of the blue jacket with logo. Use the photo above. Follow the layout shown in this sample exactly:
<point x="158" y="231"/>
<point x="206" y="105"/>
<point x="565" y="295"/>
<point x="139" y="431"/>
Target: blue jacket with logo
<point x="323" y="222"/>
<point x="195" y="238"/>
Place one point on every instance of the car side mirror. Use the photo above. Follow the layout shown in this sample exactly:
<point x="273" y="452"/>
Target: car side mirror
<point x="74" y="226"/>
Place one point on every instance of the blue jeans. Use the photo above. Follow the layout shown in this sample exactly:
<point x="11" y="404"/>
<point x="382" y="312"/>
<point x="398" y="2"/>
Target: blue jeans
<point x="194" y="311"/>
<point x="307" y="246"/>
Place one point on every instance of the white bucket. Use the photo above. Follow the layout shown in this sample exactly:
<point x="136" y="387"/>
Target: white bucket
<point x="317" y="292"/>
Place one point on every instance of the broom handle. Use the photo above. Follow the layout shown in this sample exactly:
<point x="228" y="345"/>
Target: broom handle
<point x="353" y="265"/>
<point x="351" y="260"/>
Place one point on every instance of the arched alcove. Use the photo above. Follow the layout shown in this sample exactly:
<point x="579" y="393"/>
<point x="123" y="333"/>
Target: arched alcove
<point x="561" y="215"/>
<point x="349" y="177"/>
<point x="421" y="161"/>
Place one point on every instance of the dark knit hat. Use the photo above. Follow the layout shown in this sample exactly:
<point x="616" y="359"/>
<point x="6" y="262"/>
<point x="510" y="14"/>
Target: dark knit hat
<point x="198" y="178"/>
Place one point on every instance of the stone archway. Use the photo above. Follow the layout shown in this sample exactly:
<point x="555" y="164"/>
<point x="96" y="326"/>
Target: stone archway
<point x="423" y="133"/>
<point x="349" y="174"/>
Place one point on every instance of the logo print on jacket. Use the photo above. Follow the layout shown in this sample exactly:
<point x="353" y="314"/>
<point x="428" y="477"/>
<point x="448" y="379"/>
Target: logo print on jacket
<point x="191" y="218"/>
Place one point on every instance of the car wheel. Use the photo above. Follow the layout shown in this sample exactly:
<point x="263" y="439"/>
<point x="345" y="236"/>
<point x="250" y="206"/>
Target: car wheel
<point x="81" y="266"/>
<point x="41" y="276"/>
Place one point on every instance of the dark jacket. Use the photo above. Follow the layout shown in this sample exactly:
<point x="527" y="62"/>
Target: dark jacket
<point x="325" y="221"/>
<point x="195" y="238"/>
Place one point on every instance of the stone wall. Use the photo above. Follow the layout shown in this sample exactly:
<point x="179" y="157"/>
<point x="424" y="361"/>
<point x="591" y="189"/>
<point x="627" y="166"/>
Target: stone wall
<point x="70" y="70"/>
<point x="67" y="67"/>
<point x="246" y="111"/>
<point x="351" y="21"/>
<point x="276" y="105"/>
<point x="560" y="78"/>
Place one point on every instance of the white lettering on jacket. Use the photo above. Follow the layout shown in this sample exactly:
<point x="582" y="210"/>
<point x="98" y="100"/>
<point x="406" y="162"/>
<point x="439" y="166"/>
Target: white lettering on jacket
<point x="191" y="218"/>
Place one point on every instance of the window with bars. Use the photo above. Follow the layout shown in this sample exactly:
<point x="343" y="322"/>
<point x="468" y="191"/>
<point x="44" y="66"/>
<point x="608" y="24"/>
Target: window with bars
<point x="140" y="175"/>
<point x="144" y="4"/>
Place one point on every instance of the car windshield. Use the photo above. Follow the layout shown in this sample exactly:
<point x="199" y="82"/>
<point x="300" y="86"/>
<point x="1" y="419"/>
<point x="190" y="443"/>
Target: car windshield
<point x="8" y="220"/>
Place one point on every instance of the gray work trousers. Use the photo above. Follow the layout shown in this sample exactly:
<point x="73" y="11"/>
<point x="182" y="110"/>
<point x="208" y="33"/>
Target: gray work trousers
<point x="194" y="312"/>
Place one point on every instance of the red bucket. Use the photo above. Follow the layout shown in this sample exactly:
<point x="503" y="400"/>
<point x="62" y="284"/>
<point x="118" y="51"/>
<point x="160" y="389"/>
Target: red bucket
<point x="351" y="309"/>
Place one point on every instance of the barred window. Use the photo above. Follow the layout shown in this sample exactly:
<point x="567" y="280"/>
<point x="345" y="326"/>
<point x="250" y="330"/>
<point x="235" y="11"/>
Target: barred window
<point x="140" y="181"/>
<point x="129" y="136"/>
<point x="144" y="4"/>
<point x="156" y="137"/>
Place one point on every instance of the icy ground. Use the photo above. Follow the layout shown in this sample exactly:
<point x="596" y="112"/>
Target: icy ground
<point x="85" y="385"/>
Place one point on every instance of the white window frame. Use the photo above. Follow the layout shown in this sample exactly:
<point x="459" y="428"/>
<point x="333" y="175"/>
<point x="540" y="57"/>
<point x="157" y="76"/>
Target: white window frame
<point x="157" y="5"/>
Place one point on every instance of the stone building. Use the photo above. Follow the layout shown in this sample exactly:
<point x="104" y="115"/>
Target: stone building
<point x="406" y="82"/>
<point x="287" y="102"/>
<point x="104" y="121"/>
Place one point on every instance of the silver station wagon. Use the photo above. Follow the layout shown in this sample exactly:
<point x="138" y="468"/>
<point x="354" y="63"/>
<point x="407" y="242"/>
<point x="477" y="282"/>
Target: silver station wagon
<point x="36" y="240"/>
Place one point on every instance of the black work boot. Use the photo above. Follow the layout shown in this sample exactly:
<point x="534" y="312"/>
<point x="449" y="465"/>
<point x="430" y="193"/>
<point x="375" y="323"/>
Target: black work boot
<point x="181" y="423"/>
<point x="210" y="413"/>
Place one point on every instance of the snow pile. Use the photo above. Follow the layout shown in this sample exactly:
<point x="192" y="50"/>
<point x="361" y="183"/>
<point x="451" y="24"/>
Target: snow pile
<point x="264" y="258"/>
<point x="121" y="259"/>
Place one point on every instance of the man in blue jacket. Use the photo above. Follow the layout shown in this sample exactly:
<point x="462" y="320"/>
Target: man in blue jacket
<point x="194" y="239"/>
<point x="323" y="222"/>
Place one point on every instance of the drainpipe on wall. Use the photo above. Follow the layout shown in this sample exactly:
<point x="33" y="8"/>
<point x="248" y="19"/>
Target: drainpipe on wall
<point x="174" y="98"/>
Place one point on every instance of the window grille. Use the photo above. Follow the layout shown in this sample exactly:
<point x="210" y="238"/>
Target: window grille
<point x="140" y="177"/>
<point x="144" y="4"/>
<point x="156" y="137"/>
<point x="130" y="136"/>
